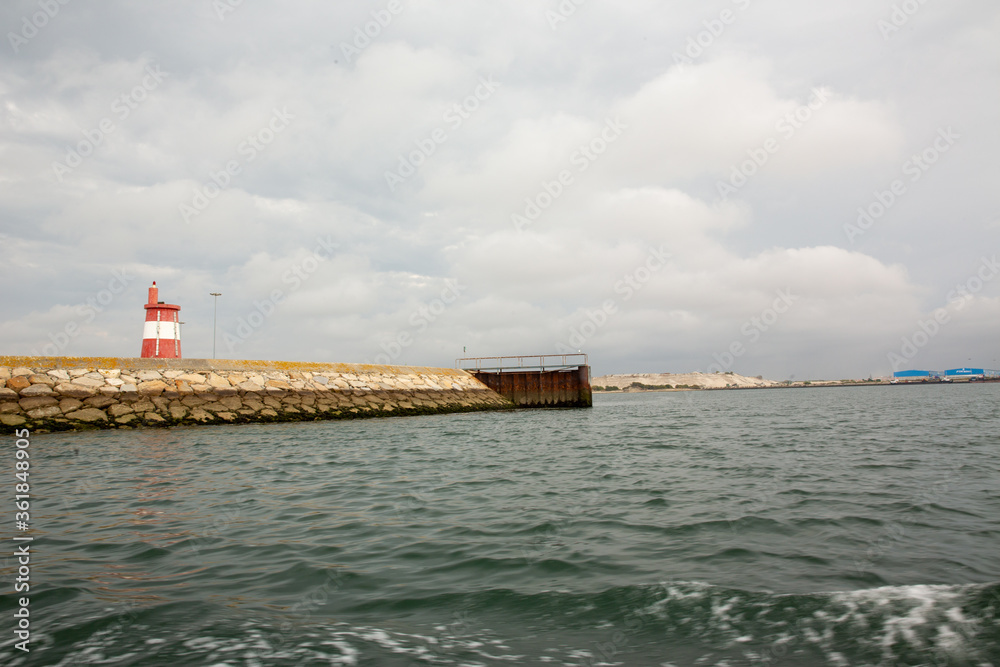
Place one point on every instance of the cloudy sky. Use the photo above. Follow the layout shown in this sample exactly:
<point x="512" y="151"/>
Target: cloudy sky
<point x="778" y="188"/>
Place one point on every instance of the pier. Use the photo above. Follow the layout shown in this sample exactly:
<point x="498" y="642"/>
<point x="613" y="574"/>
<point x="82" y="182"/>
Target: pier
<point x="537" y="381"/>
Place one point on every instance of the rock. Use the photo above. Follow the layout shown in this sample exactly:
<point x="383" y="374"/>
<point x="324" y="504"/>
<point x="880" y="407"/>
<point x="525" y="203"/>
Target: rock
<point x="111" y="373"/>
<point x="109" y="391"/>
<point x="162" y="404"/>
<point x="252" y="387"/>
<point x="322" y="379"/>
<point x="87" y="415"/>
<point x="231" y="402"/>
<point x="128" y="379"/>
<point x="45" y="413"/>
<point x="87" y="381"/>
<point x="217" y="381"/>
<point x="228" y="416"/>
<point x="4" y="373"/>
<point x="257" y="379"/>
<point x="253" y="404"/>
<point x="172" y="375"/>
<point x="78" y="372"/>
<point x="202" y="388"/>
<point x="126" y="419"/>
<point x="39" y="378"/>
<point x="11" y="420"/>
<point x="153" y="418"/>
<point x="149" y="376"/>
<point x="70" y="404"/>
<point x="9" y="408"/>
<point x="118" y="410"/>
<point x="178" y="412"/>
<point x="94" y="375"/>
<point x="58" y="374"/>
<point x="37" y="390"/>
<point x="7" y="394"/>
<point x="143" y="406"/>
<point x="277" y="384"/>
<point x="191" y="378"/>
<point x="18" y="382"/>
<point x="100" y="401"/>
<point x="197" y="414"/>
<point x="22" y="372"/>
<point x="272" y="402"/>
<point x="75" y="391"/>
<point x="129" y="389"/>
<point x="152" y="387"/>
<point x="36" y="402"/>
<point x="193" y="401"/>
<point x="114" y="382"/>
<point x="267" y="412"/>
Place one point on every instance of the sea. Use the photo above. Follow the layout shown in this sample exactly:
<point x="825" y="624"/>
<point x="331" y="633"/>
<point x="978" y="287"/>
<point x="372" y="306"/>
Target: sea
<point x="822" y="526"/>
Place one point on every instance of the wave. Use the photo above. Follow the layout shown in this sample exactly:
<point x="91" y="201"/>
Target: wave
<point x="672" y="623"/>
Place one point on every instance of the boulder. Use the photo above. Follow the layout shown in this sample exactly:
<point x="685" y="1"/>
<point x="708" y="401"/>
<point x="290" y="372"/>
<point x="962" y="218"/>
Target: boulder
<point x="100" y="401"/>
<point x="75" y="391"/>
<point x="70" y="404"/>
<point x="18" y="382"/>
<point x="231" y="402"/>
<point x="35" y="402"/>
<point x="37" y="390"/>
<point x="45" y="413"/>
<point x="87" y="381"/>
<point x="119" y="410"/>
<point x="89" y="415"/>
<point x="152" y="387"/>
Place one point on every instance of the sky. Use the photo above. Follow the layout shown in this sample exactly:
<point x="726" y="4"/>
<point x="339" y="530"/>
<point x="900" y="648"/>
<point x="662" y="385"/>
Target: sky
<point x="797" y="190"/>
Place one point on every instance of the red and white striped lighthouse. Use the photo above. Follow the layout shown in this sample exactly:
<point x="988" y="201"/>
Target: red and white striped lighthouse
<point x="161" y="336"/>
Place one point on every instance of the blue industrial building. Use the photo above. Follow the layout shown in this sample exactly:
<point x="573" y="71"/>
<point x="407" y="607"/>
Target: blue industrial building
<point x="951" y="374"/>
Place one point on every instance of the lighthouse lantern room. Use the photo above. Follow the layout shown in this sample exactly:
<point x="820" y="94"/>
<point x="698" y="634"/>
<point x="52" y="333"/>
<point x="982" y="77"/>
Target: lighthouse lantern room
<point x="161" y="336"/>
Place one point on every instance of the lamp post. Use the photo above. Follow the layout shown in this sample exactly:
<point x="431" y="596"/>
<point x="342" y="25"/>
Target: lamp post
<point x="215" y="319"/>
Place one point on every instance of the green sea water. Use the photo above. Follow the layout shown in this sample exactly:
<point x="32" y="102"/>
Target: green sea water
<point x="853" y="526"/>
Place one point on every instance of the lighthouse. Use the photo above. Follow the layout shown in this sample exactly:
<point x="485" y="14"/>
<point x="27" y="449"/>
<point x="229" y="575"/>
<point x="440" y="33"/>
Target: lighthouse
<point x="161" y="336"/>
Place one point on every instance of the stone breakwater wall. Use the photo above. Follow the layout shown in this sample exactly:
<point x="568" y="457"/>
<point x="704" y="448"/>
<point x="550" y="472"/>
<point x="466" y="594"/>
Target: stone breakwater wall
<point x="77" y="393"/>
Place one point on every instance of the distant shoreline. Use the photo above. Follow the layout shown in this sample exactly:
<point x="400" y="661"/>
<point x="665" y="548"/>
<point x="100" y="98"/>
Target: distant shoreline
<point x="795" y="385"/>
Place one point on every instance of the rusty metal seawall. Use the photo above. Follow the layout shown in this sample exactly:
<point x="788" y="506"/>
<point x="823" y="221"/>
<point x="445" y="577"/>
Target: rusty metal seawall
<point x="541" y="381"/>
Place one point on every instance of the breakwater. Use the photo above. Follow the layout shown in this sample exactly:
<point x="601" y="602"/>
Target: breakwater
<point x="75" y="393"/>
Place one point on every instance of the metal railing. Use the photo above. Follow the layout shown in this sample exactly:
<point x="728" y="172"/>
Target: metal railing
<point x="545" y="362"/>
